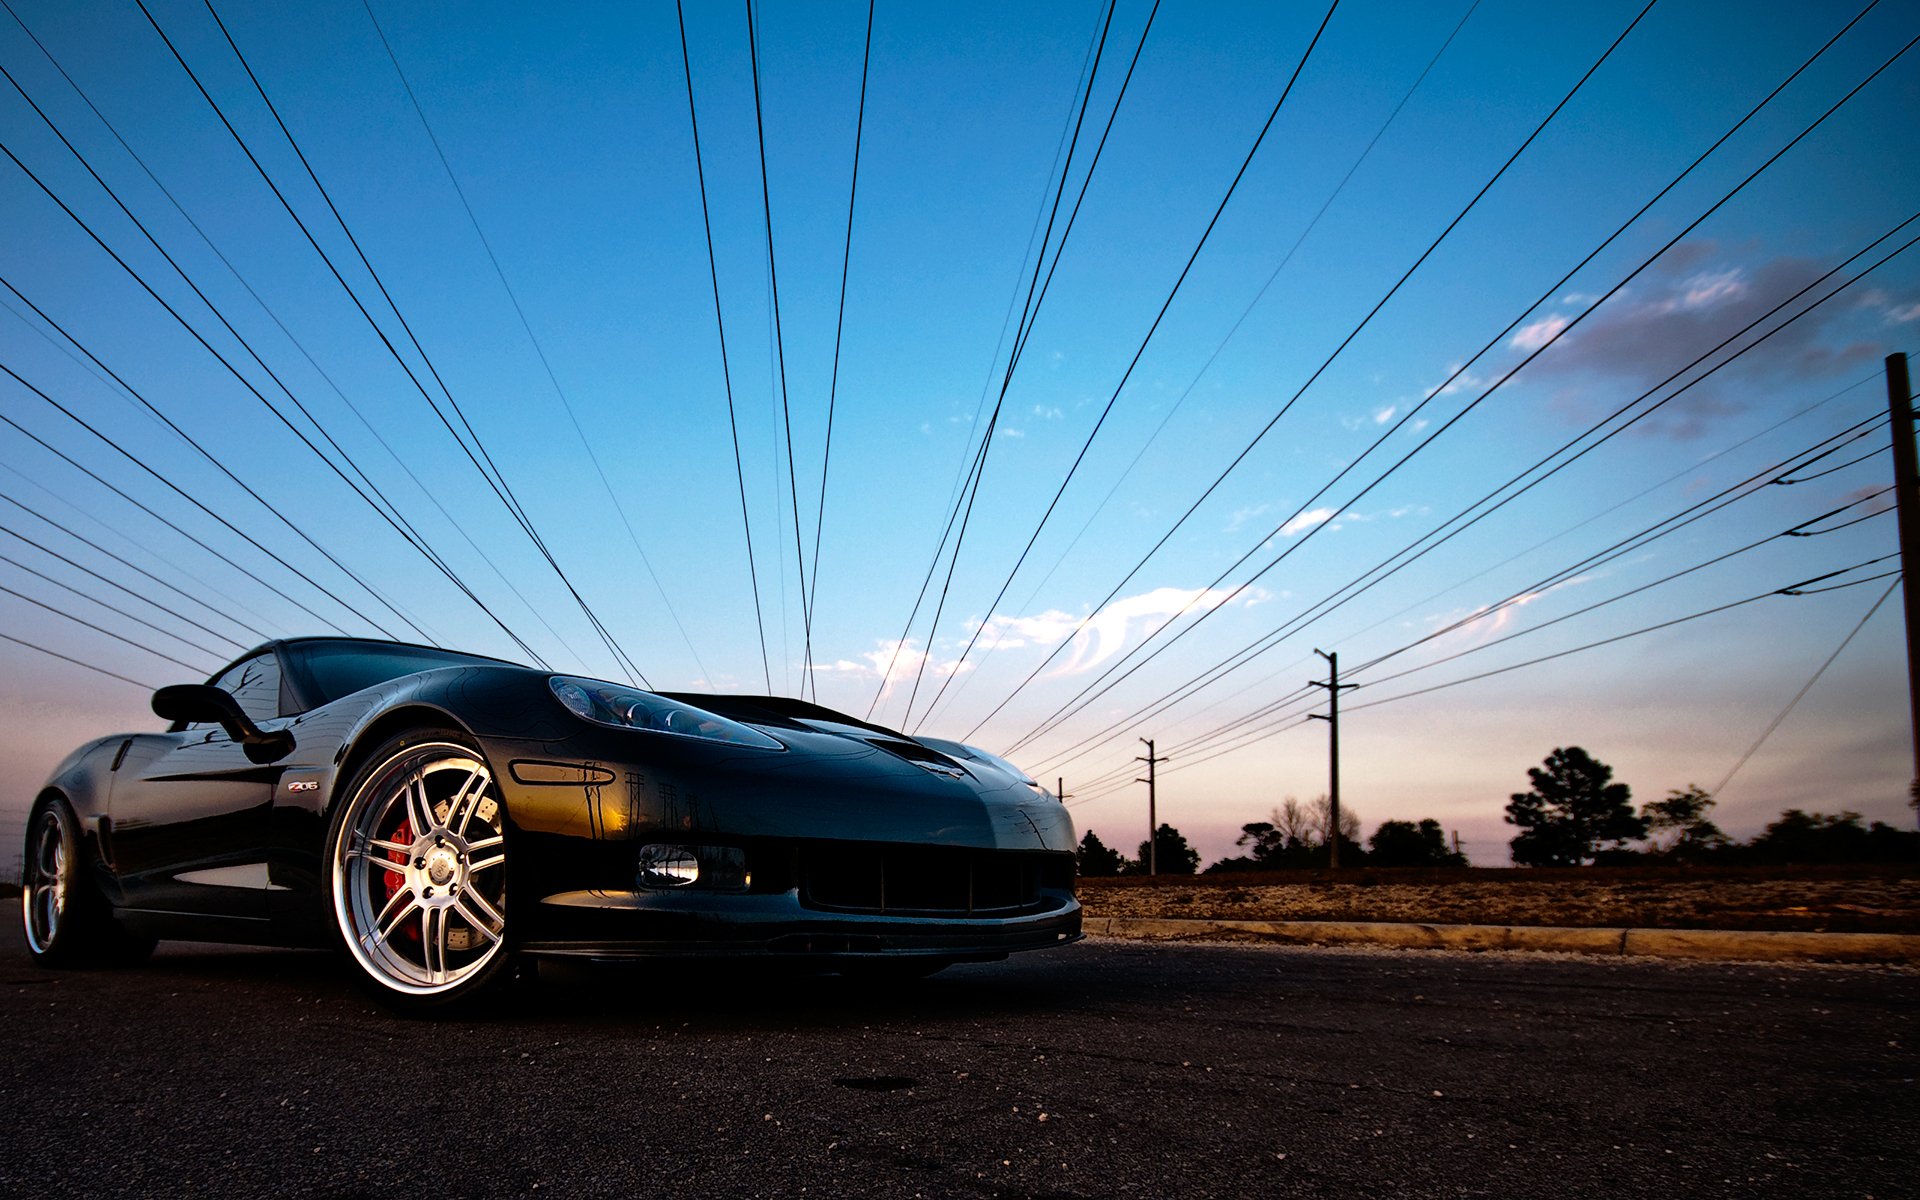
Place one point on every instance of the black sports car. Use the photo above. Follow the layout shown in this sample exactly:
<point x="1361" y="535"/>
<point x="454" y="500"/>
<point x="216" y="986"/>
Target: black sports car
<point x="438" y="814"/>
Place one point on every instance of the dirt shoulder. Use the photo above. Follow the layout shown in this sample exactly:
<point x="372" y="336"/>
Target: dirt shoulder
<point x="1868" y="899"/>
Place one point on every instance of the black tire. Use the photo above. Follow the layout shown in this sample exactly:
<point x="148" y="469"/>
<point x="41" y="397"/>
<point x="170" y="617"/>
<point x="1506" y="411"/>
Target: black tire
<point x="417" y="879"/>
<point x="65" y="919"/>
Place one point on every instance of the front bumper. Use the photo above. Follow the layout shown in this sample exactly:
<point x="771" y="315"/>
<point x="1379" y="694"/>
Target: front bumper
<point x="644" y="924"/>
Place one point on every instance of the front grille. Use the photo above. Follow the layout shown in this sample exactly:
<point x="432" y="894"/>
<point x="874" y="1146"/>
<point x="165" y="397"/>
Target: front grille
<point x="927" y="880"/>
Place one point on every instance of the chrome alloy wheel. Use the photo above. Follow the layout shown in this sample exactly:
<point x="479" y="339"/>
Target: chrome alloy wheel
<point x="44" y="882"/>
<point x="419" y="870"/>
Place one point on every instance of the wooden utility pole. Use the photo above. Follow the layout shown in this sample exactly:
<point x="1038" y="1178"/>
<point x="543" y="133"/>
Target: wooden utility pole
<point x="1153" y="848"/>
<point x="1060" y="788"/>
<point x="1332" y="718"/>
<point x="1906" y="493"/>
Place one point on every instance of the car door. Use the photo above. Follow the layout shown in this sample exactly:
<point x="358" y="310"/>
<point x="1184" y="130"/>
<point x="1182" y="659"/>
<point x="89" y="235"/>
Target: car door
<point x="191" y="813"/>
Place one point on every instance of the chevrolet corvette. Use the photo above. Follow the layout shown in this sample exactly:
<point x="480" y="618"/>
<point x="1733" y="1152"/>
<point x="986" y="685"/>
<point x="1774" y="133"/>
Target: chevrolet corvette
<point x="440" y="816"/>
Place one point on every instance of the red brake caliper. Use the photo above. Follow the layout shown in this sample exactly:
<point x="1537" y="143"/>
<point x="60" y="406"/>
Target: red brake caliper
<point x="403" y="834"/>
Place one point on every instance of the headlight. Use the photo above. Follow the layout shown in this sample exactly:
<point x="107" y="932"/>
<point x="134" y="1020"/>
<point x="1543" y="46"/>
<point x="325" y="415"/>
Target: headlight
<point x="630" y="708"/>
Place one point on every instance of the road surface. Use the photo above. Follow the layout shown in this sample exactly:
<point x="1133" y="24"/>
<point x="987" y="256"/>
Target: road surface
<point x="1106" y="1069"/>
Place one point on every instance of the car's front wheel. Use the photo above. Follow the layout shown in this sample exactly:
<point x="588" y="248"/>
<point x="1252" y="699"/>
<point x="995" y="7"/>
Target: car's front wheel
<point x="417" y="853"/>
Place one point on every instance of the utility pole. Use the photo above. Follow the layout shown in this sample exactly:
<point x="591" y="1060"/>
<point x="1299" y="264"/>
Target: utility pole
<point x="1153" y="849"/>
<point x="1060" y="788"/>
<point x="1334" y="688"/>
<point x="1906" y="493"/>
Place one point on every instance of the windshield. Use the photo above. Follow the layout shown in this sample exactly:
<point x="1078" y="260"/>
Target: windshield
<point x="341" y="668"/>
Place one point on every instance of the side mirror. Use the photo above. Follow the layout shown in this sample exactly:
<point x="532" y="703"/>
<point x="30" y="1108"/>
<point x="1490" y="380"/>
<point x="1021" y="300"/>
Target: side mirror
<point x="203" y="702"/>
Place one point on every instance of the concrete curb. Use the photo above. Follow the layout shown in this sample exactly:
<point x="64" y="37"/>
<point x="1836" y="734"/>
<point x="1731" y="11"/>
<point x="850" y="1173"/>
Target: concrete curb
<point x="1720" y="945"/>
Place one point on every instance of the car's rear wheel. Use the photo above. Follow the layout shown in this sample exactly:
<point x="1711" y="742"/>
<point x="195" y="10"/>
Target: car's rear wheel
<point x="67" y="922"/>
<point x="417" y="853"/>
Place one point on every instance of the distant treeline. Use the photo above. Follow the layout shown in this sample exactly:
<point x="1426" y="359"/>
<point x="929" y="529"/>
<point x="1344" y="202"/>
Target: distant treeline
<point x="1573" y="815"/>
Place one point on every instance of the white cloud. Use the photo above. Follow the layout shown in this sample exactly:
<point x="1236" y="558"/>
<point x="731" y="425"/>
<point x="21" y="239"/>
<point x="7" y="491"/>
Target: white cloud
<point x="1463" y="379"/>
<point x="1013" y="433"/>
<point x="1095" y="639"/>
<point x="1904" y="314"/>
<point x="1382" y="416"/>
<point x="1532" y="337"/>
<point x="1712" y="288"/>
<point x="893" y="662"/>
<point x="1107" y="631"/>
<point x="1242" y="515"/>
<point x="1047" y="412"/>
<point x="1307" y="520"/>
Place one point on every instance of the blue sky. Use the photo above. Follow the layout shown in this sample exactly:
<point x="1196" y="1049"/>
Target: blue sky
<point x="568" y="133"/>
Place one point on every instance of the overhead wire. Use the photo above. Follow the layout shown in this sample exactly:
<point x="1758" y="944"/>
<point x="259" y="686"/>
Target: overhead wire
<point x="390" y="513"/>
<point x="1753" y="485"/>
<point x="20" y="641"/>
<point x="129" y="456"/>
<point x="1147" y="340"/>
<point x="293" y="339"/>
<point x="1546" y="294"/>
<point x="503" y="489"/>
<point x="726" y="371"/>
<point x="235" y="643"/>
<point x="499" y="485"/>
<point x="539" y="349"/>
<point x="1799" y="589"/>
<point x="1267" y="642"/>
<point x="1028" y="309"/>
<point x="110" y="607"/>
<point x="1721" y="787"/>
<point x="839" y="328"/>
<point x="1546" y="343"/>
<point x="779" y="337"/>
<point x="1234" y="329"/>
<point x="224" y="611"/>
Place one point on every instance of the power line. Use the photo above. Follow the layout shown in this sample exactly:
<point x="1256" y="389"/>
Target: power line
<point x="1272" y="639"/>
<point x="726" y="371"/>
<point x="1494" y="341"/>
<point x="1430" y="438"/>
<point x="61" y="612"/>
<point x="1147" y="340"/>
<point x="54" y="554"/>
<point x="112" y="608"/>
<point x="779" y="338"/>
<point x="1246" y="312"/>
<point x="259" y="634"/>
<point x="145" y="687"/>
<point x="1791" y="590"/>
<point x="292" y="338"/>
<point x="250" y="540"/>
<point x="1801" y="694"/>
<point x="1028" y="309"/>
<point x="390" y="513"/>
<point x="839" y="327"/>
<point x="539" y="350"/>
<point x="503" y="488"/>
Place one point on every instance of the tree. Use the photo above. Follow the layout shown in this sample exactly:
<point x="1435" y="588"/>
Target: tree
<point x="1097" y="858"/>
<point x="1801" y="837"/>
<point x="1267" y="842"/>
<point x="1174" y="856"/>
<point x="1571" y="809"/>
<point x="1404" y="844"/>
<point x="1684" y="815"/>
<point x="1292" y="822"/>
<point x="1321" y="816"/>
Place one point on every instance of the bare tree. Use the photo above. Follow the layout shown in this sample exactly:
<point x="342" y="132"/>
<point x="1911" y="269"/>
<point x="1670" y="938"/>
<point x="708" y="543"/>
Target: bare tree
<point x="1293" y="822"/>
<point x="1320" y="816"/>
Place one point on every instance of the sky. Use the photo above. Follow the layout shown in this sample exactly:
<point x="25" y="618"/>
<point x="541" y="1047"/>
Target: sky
<point x="1259" y="306"/>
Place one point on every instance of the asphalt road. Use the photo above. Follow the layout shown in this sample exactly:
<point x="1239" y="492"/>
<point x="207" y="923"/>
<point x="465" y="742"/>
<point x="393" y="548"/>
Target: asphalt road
<point x="1104" y="1069"/>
